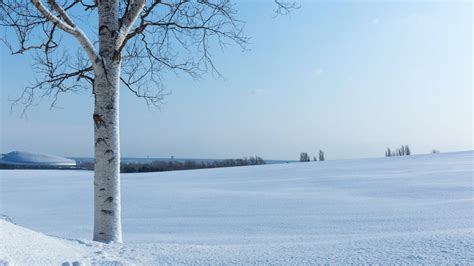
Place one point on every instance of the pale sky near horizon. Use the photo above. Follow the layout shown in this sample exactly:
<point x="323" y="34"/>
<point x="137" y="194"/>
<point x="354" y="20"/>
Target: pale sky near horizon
<point x="349" y="77"/>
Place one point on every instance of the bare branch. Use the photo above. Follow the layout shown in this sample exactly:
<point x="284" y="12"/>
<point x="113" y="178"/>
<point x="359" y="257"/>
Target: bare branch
<point x="68" y="27"/>
<point x="134" y="7"/>
<point x="285" y="7"/>
<point x="61" y="12"/>
<point x="193" y="26"/>
<point x="54" y="82"/>
<point x="154" y="38"/>
<point x="55" y="20"/>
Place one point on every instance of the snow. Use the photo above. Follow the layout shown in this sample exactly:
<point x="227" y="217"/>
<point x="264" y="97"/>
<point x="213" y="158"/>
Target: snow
<point x="23" y="246"/>
<point x="398" y="210"/>
<point x="35" y="158"/>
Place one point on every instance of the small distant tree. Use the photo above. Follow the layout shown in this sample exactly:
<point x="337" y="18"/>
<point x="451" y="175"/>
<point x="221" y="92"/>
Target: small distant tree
<point x="407" y="150"/>
<point x="321" y="155"/>
<point x="435" y="151"/>
<point x="259" y="160"/>
<point x="304" y="157"/>
<point x="388" y="153"/>
<point x="315" y="159"/>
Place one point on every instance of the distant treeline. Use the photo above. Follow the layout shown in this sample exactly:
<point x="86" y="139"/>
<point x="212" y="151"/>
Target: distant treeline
<point x="42" y="167"/>
<point x="304" y="157"/>
<point x="402" y="151"/>
<point x="161" y="166"/>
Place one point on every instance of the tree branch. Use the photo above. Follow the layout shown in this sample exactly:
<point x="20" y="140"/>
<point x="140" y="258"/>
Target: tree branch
<point x="68" y="26"/>
<point x="55" y="20"/>
<point x="62" y="13"/>
<point x="284" y="7"/>
<point x="154" y="38"/>
<point x="134" y="7"/>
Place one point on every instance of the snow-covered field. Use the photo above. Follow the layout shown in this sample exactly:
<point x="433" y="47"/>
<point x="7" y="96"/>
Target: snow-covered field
<point x="415" y="209"/>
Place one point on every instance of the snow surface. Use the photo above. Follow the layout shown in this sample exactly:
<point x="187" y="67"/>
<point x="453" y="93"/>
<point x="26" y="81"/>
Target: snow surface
<point x="414" y="209"/>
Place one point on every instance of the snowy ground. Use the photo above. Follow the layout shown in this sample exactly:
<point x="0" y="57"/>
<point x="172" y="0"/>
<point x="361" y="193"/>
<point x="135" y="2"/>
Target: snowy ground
<point x="416" y="209"/>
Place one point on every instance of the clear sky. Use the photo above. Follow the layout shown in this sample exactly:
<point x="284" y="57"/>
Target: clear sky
<point x="351" y="78"/>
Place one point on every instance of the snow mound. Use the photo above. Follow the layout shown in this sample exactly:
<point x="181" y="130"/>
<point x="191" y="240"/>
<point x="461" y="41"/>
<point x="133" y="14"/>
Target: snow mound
<point x="23" y="246"/>
<point x="34" y="158"/>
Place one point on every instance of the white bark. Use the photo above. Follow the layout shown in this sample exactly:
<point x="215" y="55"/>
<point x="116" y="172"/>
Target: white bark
<point x="107" y="207"/>
<point x="136" y="6"/>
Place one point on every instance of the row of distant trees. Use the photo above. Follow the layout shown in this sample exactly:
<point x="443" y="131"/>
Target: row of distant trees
<point x="304" y="157"/>
<point x="161" y="166"/>
<point x="404" y="150"/>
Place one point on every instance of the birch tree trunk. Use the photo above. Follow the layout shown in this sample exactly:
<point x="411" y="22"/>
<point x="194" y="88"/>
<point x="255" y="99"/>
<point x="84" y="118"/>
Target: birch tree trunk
<point x="107" y="207"/>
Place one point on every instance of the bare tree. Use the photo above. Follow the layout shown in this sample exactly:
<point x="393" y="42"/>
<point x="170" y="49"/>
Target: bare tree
<point x="118" y="41"/>
<point x="304" y="157"/>
<point x="321" y="156"/>
<point x="407" y="150"/>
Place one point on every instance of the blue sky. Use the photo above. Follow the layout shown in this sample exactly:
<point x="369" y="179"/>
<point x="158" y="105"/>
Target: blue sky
<point x="351" y="78"/>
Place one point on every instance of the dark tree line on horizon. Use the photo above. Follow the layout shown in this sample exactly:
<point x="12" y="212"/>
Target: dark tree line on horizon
<point x="304" y="157"/>
<point x="404" y="150"/>
<point x="161" y="166"/>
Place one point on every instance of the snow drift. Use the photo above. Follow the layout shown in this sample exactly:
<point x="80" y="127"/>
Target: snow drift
<point x="23" y="246"/>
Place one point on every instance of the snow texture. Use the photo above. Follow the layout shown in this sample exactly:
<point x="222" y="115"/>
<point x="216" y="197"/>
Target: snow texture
<point x="397" y="210"/>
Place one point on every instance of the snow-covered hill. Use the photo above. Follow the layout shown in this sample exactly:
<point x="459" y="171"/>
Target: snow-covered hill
<point x="415" y="209"/>
<point x="35" y="159"/>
